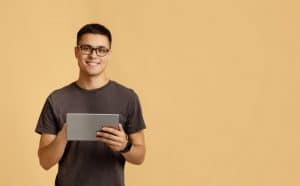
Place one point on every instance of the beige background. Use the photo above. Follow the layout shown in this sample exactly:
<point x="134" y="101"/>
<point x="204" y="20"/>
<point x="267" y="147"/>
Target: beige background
<point x="218" y="81"/>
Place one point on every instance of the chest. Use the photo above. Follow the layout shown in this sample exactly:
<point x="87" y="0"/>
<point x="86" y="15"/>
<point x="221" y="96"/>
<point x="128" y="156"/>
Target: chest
<point x="93" y="103"/>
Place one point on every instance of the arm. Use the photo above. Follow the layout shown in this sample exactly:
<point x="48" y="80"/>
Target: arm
<point x="116" y="140"/>
<point x="51" y="148"/>
<point x="136" y="155"/>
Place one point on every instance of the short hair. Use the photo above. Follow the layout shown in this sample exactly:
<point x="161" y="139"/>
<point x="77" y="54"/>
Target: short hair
<point x="94" y="28"/>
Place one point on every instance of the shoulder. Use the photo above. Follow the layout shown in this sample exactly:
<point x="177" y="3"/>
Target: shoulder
<point x="122" y="89"/>
<point x="62" y="92"/>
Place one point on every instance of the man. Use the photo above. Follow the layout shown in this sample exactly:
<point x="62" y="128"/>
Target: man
<point x="100" y="163"/>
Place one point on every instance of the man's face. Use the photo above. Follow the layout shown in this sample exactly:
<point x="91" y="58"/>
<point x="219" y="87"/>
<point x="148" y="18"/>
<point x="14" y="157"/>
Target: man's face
<point x="92" y="63"/>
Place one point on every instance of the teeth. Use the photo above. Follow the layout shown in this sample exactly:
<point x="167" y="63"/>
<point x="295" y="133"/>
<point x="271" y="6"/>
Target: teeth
<point x="92" y="63"/>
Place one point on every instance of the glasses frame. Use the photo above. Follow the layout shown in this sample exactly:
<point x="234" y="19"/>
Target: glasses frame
<point x="92" y="50"/>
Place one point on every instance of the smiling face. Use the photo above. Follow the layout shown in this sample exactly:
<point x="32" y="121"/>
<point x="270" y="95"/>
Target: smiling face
<point x="92" y="64"/>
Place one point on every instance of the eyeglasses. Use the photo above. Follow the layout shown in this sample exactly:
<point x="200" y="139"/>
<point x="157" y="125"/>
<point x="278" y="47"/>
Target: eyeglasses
<point x="88" y="50"/>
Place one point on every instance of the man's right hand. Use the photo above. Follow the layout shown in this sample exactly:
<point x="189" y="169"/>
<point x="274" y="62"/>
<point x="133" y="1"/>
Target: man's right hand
<point x="63" y="132"/>
<point x="51" y="148"/>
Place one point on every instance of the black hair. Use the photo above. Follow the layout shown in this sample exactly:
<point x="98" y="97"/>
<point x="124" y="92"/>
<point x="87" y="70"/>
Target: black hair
<point x="94" y="28"/>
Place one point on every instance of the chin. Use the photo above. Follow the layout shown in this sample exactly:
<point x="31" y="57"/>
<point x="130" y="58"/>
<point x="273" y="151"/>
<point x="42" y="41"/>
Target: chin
<point x="90" y="74"/>
<point x="94" y="74"/>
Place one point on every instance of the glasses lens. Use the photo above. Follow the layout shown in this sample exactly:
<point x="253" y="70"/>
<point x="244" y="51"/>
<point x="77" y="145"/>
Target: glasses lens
<point x="85" y="49"/>
<point x="102" y="51"/>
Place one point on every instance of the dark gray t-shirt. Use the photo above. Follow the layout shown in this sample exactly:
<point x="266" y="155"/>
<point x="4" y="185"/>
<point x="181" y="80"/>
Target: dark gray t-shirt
<point x="91" y="163"/>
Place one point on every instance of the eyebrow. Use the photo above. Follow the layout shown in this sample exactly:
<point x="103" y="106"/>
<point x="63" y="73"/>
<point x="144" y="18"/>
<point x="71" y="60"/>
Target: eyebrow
<point x="100" y="46"/>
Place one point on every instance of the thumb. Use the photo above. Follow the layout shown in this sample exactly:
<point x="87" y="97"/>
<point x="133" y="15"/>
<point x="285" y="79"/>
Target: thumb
<point x="65" y="126"/>
<point x="121" y="127"/>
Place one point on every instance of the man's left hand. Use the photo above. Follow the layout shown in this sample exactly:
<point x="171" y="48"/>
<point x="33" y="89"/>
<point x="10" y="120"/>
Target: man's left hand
<point x="115" y="139"/>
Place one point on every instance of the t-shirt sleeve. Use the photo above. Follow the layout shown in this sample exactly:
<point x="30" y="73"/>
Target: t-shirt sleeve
<point x="47" y="122"/>
<point x="135" y="121"/>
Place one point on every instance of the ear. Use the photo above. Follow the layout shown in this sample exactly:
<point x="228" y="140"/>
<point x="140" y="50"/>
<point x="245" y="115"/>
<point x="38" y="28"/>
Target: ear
<point x="76" y="51"/>
<point x="108" y="55"/>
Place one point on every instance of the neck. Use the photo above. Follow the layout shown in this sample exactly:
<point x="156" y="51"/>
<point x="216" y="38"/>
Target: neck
<point x="92" y="82"/>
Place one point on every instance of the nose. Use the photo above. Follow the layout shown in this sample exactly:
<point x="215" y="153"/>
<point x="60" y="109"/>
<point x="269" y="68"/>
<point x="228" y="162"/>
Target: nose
<point x="93" y="53"/>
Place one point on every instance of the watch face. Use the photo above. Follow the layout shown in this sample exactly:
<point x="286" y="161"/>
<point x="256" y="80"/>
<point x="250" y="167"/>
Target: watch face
<point x="127" y="148"/>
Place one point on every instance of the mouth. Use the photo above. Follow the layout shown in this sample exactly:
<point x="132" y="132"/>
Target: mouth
<point x="92" y="63"/>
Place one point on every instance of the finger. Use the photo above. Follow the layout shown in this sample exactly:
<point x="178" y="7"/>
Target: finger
<point x="109" y="136"/>
<point x="109" y="142"/>
<point x="112" y="145"/>
<point x="64" y="126"/>
<point x="113" y="131"/>
<point x="121" y="127"/>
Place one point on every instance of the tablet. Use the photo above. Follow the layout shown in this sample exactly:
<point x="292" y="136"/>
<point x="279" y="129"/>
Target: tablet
<point x="83" y="126"/>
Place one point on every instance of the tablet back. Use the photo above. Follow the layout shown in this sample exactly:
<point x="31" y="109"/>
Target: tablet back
<point x="83" y="126"/>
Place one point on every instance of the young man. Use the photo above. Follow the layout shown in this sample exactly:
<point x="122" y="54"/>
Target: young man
<point x="99" y="163"/>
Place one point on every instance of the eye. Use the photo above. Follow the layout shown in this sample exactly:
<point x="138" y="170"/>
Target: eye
<point x="102" y="50"/>
<point x="85" y="47"/>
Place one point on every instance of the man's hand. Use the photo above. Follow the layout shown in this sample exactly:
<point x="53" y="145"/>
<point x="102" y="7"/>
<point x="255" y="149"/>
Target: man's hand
<point x="115" y="139"/>
<point x="52" y="147"/>
<point x="63" y="132"/>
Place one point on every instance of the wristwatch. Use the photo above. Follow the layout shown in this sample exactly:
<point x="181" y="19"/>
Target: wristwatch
<point x="127" y="147"/>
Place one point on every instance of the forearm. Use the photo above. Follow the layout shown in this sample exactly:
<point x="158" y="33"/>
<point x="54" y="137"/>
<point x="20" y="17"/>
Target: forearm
<point x="50" y="154"/>
<point x="136" y="155"/>
<point x="116" y="140"/>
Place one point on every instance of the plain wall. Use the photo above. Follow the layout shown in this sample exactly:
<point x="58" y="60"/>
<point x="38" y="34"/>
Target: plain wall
<point x="218" y="82"/>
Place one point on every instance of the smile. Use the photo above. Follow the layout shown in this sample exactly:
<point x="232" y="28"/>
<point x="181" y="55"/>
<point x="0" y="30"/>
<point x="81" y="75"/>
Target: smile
<point x="92" y="63"/>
